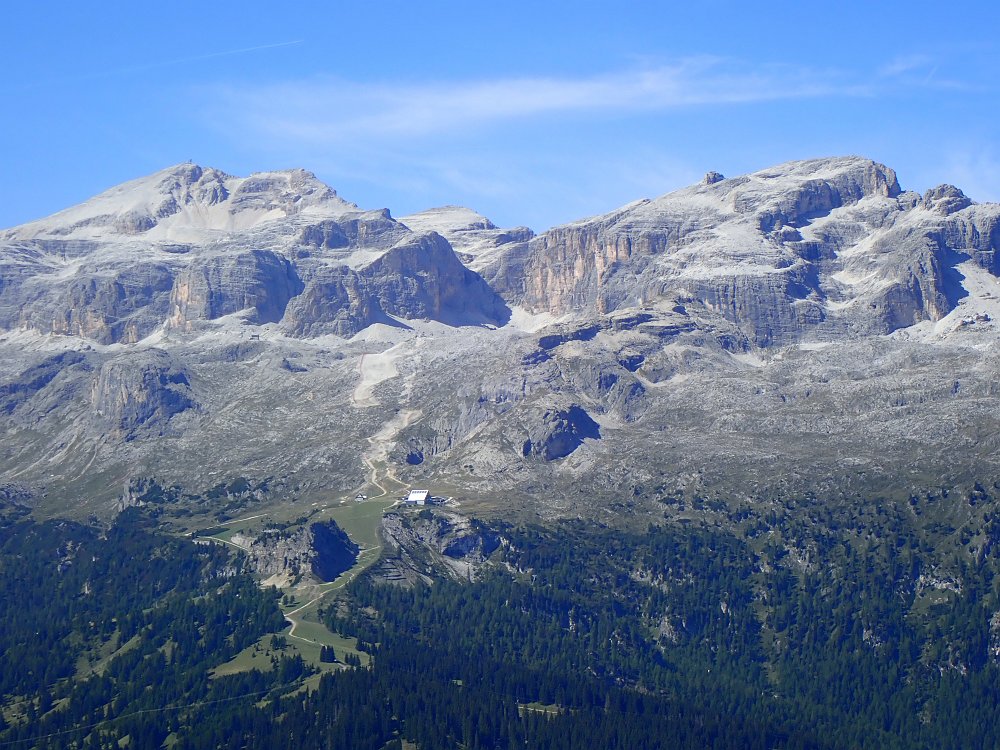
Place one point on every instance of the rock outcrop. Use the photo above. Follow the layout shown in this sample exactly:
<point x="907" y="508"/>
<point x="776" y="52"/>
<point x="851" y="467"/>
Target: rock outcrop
<point x="140" y="391"/>
<point x="322" y="550"/>
<point x="370" y="229"/>
<point x="556" y="433"/>
<point x="434" y="541"/>
<point x="418" y="278"/>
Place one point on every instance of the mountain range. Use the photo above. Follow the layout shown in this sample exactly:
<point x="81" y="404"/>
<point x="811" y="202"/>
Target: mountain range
<point x="808" y="328"/>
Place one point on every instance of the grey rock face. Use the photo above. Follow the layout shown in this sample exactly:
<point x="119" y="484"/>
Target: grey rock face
<point x="946" y="199"/>
<point x="423" y="278"/>
<point x="258" y="280"/>
<point x="101" y="301"/>
<point x="334" y="301"/>
<point x="975" y="231"/>
<point x="418" y="278"/>
<point x="375" y="229"/>
<point x="320" y="549"/>
<point x="445" y="540"/>
<point x="140" y="391"/>
<point x="19" y="392"/>
<point x="559" y="432"/>
<point x="793" y="194"/>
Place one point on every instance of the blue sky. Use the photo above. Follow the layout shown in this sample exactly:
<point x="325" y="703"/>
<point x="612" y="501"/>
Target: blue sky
<point x="531" y="113"/>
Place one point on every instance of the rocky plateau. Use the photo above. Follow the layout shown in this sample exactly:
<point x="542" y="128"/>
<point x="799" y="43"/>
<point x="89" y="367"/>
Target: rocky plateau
<point x="809" y="328"/>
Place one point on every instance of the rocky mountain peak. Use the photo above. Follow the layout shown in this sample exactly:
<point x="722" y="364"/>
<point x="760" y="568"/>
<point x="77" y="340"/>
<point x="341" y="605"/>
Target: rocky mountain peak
<point x="796" y="191"/>
<point x="188" y="200"/>
<point x="855" y="175"/>
<point x="445" y="219"/>
<point x="189" y="244"/>
<point x="481" y="243"/>
<point x="946" y="199"/>
<point x="292" y="189"/>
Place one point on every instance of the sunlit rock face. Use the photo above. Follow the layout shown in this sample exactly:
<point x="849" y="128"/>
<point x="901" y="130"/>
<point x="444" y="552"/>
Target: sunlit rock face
<point x="804" y="250"/>
<point x="188" y="245"/>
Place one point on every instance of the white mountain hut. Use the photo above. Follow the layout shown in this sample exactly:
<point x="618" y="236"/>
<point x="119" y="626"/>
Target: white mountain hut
<point x="418" y="497"/>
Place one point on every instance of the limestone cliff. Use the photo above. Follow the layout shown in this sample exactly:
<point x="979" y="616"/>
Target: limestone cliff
<point x="258" y="280"/>
<point x="140" y="391"/>
<point x="321" y="550"/>
<point x="822" y="247"/>
<point x="812" y="317"/>
<point x="418" y="278"/>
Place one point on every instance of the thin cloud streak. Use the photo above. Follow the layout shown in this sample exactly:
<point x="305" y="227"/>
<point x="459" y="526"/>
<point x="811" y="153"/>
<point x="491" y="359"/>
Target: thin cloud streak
<point x="905" y="64"/>
<point x="227" y="53"/>
<point x="330" y="111"/>
<point x="921" y="71"/>
<point x="147" y="66"/>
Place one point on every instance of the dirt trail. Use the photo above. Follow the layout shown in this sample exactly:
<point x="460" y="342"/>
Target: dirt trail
<point x="365" y="559"/>
<point x="373" y="369"/>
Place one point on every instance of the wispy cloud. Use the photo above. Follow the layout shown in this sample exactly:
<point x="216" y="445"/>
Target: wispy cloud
<point x="221" y="53"/>
<point x="543" y="149"/>
<point x="144" y="66"/>
<point x="921" y="71"/>
<point x="328" y="110"/>
<point x="904" y="64"/>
